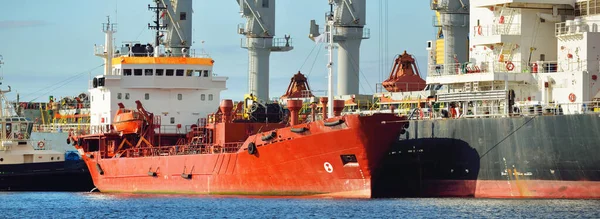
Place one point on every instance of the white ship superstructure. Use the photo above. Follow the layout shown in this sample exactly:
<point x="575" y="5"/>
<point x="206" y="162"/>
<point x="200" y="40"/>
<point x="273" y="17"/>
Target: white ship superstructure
<point x="524" y="57"/>
<point x="170" y="79"/>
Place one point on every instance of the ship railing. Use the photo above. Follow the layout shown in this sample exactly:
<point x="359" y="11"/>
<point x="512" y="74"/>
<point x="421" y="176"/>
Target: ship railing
<point x="509" y="67"/>
<point x="348" y="33"/>
<point x="266" y="43"/>
<point x="17" y="135"/>
<point x="178" y="129"/>
<point x="428" y="113"/>
<point x="574" y="29"/>
<point x="61" y="127"/>
<point x="100" y="129"/>
<point x="52" y="105"/>
<point x="191" y="53"/>
<point x="187" y="149"/>
<point x="496" y="108"/>
<point x="536" y="109"/>
<point x="497" y="30"/>
<point x="540" y="66"/>
<point x="100" y="50"/>
<point x="446" y="69"/>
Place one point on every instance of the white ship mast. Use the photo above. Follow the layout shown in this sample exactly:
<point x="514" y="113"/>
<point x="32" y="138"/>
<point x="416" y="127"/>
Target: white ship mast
<point x="348" y="17"/>
<point x="330" y="25"/>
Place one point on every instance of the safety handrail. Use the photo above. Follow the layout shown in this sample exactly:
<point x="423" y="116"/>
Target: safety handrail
<point x="182" y="149"/>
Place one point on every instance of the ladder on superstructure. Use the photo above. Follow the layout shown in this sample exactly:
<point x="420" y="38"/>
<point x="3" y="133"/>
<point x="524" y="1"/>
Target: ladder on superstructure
<point x="507" y="48"/>
<point x="252" y="74"/>
<point x="506" y="18"/>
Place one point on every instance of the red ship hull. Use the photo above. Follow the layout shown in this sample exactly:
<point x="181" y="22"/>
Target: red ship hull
<point x="315" y="162"/>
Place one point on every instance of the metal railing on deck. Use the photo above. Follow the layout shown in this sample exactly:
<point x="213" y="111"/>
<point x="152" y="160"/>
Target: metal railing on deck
<point x="57" y="128"/>
<point x="588" y="107"/>
<point x="266" y="43"/>
<point x="509" y="67"/>
<point x="497" y="30"/>
<point x="180" y="150"/>
<point x="100" y="129"/>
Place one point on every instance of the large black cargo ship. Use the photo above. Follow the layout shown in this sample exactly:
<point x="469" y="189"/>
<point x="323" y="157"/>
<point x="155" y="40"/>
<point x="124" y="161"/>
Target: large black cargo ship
<point x="510" y="108"/>
<point x="533" y="156"/>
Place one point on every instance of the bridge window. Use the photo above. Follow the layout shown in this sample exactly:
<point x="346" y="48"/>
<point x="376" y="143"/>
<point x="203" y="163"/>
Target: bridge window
<point x="147" y="96"/>
<point x="169" y="72"/>
<point x="172" y="120"/>
<point x="182" y="16"/>
<point x="205" y="73"/>
<point x="137" y="72"/>
<point x="179" y="72"/>
<point x="197" y="73"/>
<point x="265" y="3"/>
<point x="127" y="96"/>
<point x="159" y="72"/>
<point x="210" y="97"/>
<point x="179" y="96"/>
<point x="188" y="72"/>
<point x="119" y="96"/>
<point x="127" y="72"/>
<point x="148" y="72"/>
<point x="202" y="97"/>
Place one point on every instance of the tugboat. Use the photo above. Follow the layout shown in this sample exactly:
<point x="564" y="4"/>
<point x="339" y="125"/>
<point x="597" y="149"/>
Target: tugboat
<point x="26" y="165"/>
<point x="189" y="143"/>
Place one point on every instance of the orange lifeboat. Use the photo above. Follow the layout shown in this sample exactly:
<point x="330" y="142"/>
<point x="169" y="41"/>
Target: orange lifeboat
<point x="127" y="121"/>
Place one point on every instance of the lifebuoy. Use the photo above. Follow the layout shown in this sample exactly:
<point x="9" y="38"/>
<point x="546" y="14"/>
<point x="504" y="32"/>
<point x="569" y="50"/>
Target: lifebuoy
<point x="20" y="136"/>
<point x="501" y="19"/>
<point x="479" y="30"/>
<point x="41" y="144"/>
<point x="572" y="97"/>
<point x="510" y="66"/>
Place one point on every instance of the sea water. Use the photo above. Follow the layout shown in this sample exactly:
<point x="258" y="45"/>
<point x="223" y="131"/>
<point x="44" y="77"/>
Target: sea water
<point x="99" y="205"/>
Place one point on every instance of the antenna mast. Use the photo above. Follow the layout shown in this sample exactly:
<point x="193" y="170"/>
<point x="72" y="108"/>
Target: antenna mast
<point x="330" y="22"/>
<point x="157" y="26"/>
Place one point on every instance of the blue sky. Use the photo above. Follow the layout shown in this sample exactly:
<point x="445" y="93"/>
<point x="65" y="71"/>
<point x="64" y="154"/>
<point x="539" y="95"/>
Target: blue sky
<point x="48" y="45"/>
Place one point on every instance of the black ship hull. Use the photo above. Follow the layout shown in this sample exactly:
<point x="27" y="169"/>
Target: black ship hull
<point x="526" y="157"/>
<point x="70" y="175"/>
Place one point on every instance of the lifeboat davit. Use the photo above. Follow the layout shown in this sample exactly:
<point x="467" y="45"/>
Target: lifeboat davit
<point x="127" y="121"/>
